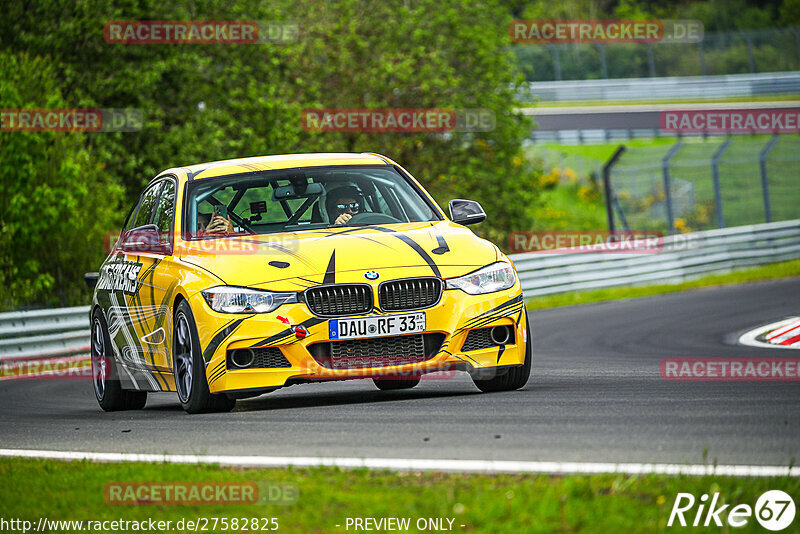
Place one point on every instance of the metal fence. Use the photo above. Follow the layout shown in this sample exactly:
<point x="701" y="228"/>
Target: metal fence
<point x="30" y="335"/>
<point x="684" y="257"/>
<point x="701" y="184"/>
<point x="733" y="52"/>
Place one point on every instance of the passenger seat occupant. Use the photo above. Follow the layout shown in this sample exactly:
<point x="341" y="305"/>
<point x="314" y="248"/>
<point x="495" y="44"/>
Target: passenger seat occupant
<point x="220" y="225"/>
<point x="343" y="203"/>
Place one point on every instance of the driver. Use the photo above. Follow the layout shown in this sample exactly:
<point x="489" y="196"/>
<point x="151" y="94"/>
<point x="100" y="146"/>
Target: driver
<point x="343" y="203"/>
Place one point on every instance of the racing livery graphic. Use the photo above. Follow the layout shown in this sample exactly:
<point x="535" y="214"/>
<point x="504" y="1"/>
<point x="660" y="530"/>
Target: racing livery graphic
<point x="235" y="278"/>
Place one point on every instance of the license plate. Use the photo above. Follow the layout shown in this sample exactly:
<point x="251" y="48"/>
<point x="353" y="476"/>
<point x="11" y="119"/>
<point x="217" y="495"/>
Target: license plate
<point x="378" y="326"/>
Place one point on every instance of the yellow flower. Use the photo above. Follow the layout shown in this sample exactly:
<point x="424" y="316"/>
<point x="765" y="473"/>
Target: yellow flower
<point x="680" y="225"/>
<point x="586" y="194"/>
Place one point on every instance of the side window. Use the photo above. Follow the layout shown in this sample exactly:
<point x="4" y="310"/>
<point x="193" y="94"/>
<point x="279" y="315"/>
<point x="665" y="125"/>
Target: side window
<point x="125" y="227"/>
<point x="146" y="205"/>
<point x="165" y="211"/>
<point x="129" y="220"/>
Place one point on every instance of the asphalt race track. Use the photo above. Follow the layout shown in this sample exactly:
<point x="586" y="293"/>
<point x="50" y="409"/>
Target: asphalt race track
<point x="595" y="395"/>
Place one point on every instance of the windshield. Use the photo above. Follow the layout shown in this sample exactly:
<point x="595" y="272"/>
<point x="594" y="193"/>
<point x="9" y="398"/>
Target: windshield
<point x="270" y="202"/>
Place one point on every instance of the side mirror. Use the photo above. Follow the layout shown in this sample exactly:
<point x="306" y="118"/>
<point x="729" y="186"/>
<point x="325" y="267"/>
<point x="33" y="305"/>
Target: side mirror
<point x="466" y="212"/>
<point x="144" y="239"/>
<point x="91" y="280"/>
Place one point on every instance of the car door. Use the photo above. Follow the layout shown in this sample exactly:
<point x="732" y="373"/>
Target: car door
<point x="137" y="321"/>
<point x="161" y="281"/>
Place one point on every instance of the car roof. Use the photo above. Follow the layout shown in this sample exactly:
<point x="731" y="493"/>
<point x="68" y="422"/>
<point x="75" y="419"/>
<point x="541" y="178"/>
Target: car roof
<point x="283" y="161"/>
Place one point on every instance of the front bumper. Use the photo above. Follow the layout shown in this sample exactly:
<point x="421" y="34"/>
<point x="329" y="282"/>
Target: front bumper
<point x="453" y="316"/>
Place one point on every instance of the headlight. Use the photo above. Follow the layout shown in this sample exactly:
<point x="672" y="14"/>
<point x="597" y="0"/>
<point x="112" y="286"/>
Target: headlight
<point x="242" y="300"/>
<point x="495" y="277"/>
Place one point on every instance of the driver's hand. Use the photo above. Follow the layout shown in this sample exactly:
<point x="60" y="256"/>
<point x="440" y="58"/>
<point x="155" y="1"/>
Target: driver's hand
<point x="220" y="225"/>
<point x="342" y="219"/>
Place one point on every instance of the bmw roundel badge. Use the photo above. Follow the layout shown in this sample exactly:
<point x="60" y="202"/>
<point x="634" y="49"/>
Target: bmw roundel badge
<point x="371" y="275"/>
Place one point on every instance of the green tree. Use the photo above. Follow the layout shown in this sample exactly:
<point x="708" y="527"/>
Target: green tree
<point x="209" y="102"/>
<point x="56" y="201"/>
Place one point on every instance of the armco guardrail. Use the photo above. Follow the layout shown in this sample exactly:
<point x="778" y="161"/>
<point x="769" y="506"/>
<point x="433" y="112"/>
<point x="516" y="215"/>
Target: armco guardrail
<point x="684" y="256"/>
<point x="29" y="335"/>
<point x="673" y="88"/>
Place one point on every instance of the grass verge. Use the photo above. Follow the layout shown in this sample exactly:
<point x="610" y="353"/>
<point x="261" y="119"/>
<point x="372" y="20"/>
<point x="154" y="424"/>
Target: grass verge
<point x="766" y="272"/>
<point x="56" y="490"/>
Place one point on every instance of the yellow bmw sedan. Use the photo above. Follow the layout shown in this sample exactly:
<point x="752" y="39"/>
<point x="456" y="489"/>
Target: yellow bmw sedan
<point x="235" y="278"/>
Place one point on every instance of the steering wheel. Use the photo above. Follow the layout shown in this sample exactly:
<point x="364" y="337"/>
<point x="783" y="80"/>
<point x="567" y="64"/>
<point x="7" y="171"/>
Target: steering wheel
<point x="371" y="218"/>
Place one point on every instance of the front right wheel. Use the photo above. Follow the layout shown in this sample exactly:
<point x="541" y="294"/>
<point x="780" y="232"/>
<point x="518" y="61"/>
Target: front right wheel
<point x="189" y="368"/>
<point x="514" y="378"/>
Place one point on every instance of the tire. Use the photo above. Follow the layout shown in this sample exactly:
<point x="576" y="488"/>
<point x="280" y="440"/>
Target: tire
<point x="107" y="389"/>
<point x="389" y="385"/>
<point x="135" y="400"/>
<point x="189" y="368"/>
<point x="515" y="377"/>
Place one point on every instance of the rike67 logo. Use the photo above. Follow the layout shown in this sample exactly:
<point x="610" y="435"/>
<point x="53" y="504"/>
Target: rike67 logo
<point x="774" y="510"/>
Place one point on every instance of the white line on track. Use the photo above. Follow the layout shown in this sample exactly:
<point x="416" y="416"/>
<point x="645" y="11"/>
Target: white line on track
<point x="413" y="464"/>
<point x="749" y="338"/>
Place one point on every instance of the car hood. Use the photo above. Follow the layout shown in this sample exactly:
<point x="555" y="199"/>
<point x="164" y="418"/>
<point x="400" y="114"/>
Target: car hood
<point x="295" y="261"/>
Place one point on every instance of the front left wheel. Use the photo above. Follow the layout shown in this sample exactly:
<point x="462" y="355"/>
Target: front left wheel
<point x="107" y="388"/>
<point x="189" y="367"/>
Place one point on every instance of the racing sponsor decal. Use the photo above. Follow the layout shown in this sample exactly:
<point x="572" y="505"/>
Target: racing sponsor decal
<point x="500" y="352"/>
<point x="288" y="334"/>
<point x="216" y="372"/>
<point x="330" y="271"/>
<point x="120" y="276"/>
<point x="509" y="307"/>
<point x="408" y="241"/>
<point x="220" y="336"/>
<point x="442" y="247"/>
